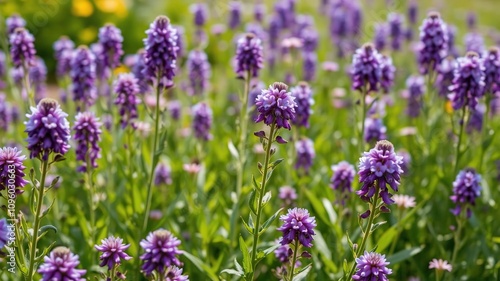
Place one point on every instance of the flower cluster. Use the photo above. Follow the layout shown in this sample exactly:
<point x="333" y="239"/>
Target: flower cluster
<point x="13" y="22"/>
<point x="113" y="252"/>
<point x="299" y="226"/>
<point x="492" y="70"/>
<point x="22" y="48"/>
<point x="87" y="136"/>
<point x="387" y="73"/>
<point x="48" y="130"/>
<point x="11" y="162"/>
<point x="415" y="86"/>
<point x="4" y="231"/>
<point x="63" y="49"/>
<point x="38" y="75"/>
<point x="371" y="267"/>
<point x="466" y="188"/>
<point x="126" y="88"/>
<point x="138" y="71"/>
<point x="468" y="82"/>
<point x="445" y="75"/>
<point x="199" y="70"/>
<point x="161" y="251"/>
<point x="287" y="194"/>
<point x="366" y="71"/>
<point x="202" y="121"/>
<point x="378" y="168"/>
<point x="395" y="22"/>
<point x="305" y="154"/>
<point x="343" y="175"/>
<point x="374" y="129"/>
<point x="234" y="14"/>
<point x="163" y="174"/>
<point x="434" y="43"/>
<point x="304" y="100"/>
<point x="61" y="265"/>
<point x="83" y="75"/>
<point x="276" y="105"/>
<point x="249" y="57"/>
<point x="110" y="38"/>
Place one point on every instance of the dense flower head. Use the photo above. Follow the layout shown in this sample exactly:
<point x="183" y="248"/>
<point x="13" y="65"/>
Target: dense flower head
<point x="249" y="56"/>
<point x="412" y="12"/>
<point x="283" y="253"/>
<point x="468" y="81"/>
<point x="274" y="31"/>
<point x="309" y="66"/>
<point x="83" y="75"/>
<point x="491" y="64"/>
<point x="309" y="37"/>
<point x="366" y="72"/>
<point x="297" y="225"/>
<point x="38" y="76"/>
<point x="63" y="49"/>
<point x="446" y="73"/>
<point x="471" y="20"/>
<point x="11" y="163"/>
<point x="111" y="39"/>
<point x="200" y="13"/>
<point x="371" y="267"/>
<point x="452" y="48"/>
<point x="388" y="70"/>
<point x="476" y="119"/>
<point x="433" y="43"/>
<point x="234" y="14"/>
<point x="4" y="231"/>
<point x="276" y="105"/>
<point x="13" y="22"/>
<point x="415" y="86"/>
<point x="304" y="100"/>
<point x="61" y="264"/>
<point x="102" y="72"/>
<point x="287" y="194"/>
<point x="381" y="35"/>
<point x="305" y="154"/>
<point x="161" y="51"/>
<point x="48" y="130"/>
<point x="199" y="71"/>
<point x="87" y="130"/>
<point x="22" y="47"/>
<point x="202" y="121"/>
<point x="161" y="250"/>
<point x="259" y="11"/>
<point x="3" y="69"/>
<point x="378" y="168"/>
<point x="113" y="251"/>
<point x="138" y="71"/>
<point x="343" y="175"/>
<point x="374" y="129"/>
<point x="181" y="44"/>
<point x="127" y="88"/>
<point x="474" y="42"/>
<point x="395" y="22"/>
<point x="466" y="188"/>
<point x="174" y="273"/>
<point x="440" y="265"/>
<point x="163" y="174"/>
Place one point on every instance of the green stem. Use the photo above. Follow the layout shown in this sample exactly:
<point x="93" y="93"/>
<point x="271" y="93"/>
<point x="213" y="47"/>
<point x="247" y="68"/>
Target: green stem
<point x="456" y="240"/>
<point x="90" y="186"/>
<point x="484" y="131"/>
<point x="27" y="87"/>
<point x="113" y="273"/>
<point x="373" y="213"/>
<point x="261" y="192"/>
<point x="153" y="156"/>
<point x="462" y="125"/>
<point x="294" y="259"/>
<point x="243" y="133"/>
<point x="36" y="226"/>
<point x="363" y="117"/>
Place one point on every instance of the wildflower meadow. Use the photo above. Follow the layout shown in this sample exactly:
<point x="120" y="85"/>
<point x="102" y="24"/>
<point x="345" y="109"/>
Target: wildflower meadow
<point x="249" y="140"/>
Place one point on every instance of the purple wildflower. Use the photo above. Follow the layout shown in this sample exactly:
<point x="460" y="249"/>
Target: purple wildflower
<point x="234" y="14"/>
<point x="38" y="76"/>
<point x="415" y="86"/>
<point x="297" y="225"/>
<point x="161" y="52"/>
<point x="22" y="48"/>
<point x="200" y="13"/>
<point x="381" y="35"/>
<point x="87" y="130"/>
<point x="468" y="82"/>
<point x="175" y="107"/>
<point x="102" y="72"/>
<point x="160" y="251"/>
<point x="276" y="105"/>
<point x="343" y="175"/>
<point x="433" y="43"/>
<point x="163" y="175"/>
<point x="61" y="265"/>
<point x="13" y="22"/>
<point x="63" y="49"/>
<point x="4" y="231"/>
<point x="126" y="88"/>
<point x="366" y="72"/>
<point x="110" y="38"/>
<point x="202" y="121"/>
<point x="309" y="37"/>
<point x="3" y="69"/>
<point x="466" y="188"/>
<point x="471" y="20"/>
<point x="374" y="130"/>
<point x="5" y="113"/>
<point x="283" y="253"/>
<point x="181" y="45"/>
<point x="287" y="194"/>
<point x="113" y="252"/>
<point x="304" y="100"/>
<point x="371" y="267"/>
<point x="305" y="154"/>
<point x="11" y="162"/>
<point x="445" y="76"/>
<point x="378" y="168"/>
<point x="474" y="42"/>
<point x="388" y="70"/>
<point x="310" y="62"/>
<point x="83" y="75"/>
<point x="259" y="12"/>
<point x="274" y="32"/>
<point x="199" y="72"/>
<point x="138" y="71"/>
<point x="476" y="119"/>
<point x="452" y="49"/>
<point x="492" y="70"/>
<point x="48" y="130"/>
<point x="412" y="12"/>
<point x="173" y="273"/>
<point x="248" y="56"/>
<point x="395" y="22"/>
<point x="356" y="17"/>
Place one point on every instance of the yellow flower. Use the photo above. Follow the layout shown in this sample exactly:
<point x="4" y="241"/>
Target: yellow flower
<point x="116" y="7"/>
<point x="448" y="108"/>
<point x="82" y="8"/>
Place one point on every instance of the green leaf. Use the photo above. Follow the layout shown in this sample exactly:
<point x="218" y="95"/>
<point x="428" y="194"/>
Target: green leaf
<point x="386" y="239"/>
<point x="275" y="163"/>
<point x="238" y="266"/>
<point x="329" y="209"/>
<point x="266" y="199"/>
<point x="302" y="273"/>
<point x="247" y="227"/>
<point x="256" y="185"/>
<point x="232" y="272"/>
<point x="270" y="220"/>
<point x="377" y="225"/>
<point x="404" y="254"/>
<point x="233" y="150"/>
<point x="201" y="266"/>
<point x="252" y="202"/>
<point x="247" y="262"/>
<point x="271" y="249"/>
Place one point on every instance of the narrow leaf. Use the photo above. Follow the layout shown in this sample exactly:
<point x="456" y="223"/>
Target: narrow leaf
<point x="247" y="263"/>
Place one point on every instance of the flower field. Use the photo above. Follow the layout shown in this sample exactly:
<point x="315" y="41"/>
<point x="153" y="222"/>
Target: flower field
<point x="250" y="140"/>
